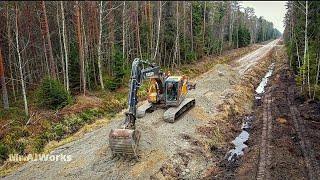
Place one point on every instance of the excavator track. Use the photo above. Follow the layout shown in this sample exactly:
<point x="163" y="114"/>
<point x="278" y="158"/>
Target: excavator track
<point x="124" y="141"/>
<point x="173" y="113"/>
<point x="141" y="111"/>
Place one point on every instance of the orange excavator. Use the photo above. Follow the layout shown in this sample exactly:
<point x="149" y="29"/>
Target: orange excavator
<point x="165" y="91"/>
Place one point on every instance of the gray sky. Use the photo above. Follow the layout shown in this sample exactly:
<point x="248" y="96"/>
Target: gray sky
<point x="273" y="11"/>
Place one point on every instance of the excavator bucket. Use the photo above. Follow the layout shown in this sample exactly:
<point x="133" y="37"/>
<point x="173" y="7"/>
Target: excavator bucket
<point x="124" y="141"/>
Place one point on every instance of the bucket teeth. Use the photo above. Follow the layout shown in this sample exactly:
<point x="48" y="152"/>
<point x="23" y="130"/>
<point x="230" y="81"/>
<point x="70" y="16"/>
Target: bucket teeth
<point x="124" y="141"/>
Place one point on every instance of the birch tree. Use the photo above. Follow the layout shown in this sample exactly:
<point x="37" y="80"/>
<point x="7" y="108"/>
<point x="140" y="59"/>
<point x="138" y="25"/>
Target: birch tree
<point x="24" y="94"/>
<point x="64" y="37"/>
<point x="99" y="45"/>
<point x="158" y="30"/>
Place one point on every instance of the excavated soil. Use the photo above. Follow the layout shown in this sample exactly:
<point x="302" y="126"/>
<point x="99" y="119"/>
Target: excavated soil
<point x="190" y="148"/>
<point x="284" y="141"/>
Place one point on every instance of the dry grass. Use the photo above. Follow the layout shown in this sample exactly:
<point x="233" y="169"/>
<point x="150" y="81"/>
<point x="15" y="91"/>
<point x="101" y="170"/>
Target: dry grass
<point x="238" y="102"/>
<point x="208" y="62"/>
<point x="82" y="103"/>
<point x="9" y="167"/>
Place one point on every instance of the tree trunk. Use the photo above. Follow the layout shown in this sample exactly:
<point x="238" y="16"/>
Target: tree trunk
<point x="317" y="77"/>
<point x="305" y="44"/>
<point x="3" y="83"/>
<point x="204" y="24"/>
<point x="85" y="48"/>
<point x="123" y="29"/>
<point x="80" y="48"/>
<point x="150" y="22"/>
<point x="191" y="28"/>
<point x="138" y="29"/>
<point x="99" y="46"/>
<point x="61" y="48"/>
<point x="222" y="33"/>
<point x="176" y="52"/>
<point x="159" y="27"/>
<point x="20" y="65"/>
<point x="231" y="25"/>
<point x="64" y="36"/>
<point x="9" y="55"/>
<point x="184" y="29"/>
<point x="48" y="43"/>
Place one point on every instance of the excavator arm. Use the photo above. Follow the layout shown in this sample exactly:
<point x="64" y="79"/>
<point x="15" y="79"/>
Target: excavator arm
<point x="138" y="74"/>
<point x="125" y="139"/>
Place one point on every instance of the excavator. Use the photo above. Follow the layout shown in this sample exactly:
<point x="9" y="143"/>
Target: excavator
<point x="165" y="91"/>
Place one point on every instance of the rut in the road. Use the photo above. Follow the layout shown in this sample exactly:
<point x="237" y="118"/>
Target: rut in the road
<point x="266" y="136"/>
<point x="307" y="150"/>
<point x="278" y="102"/>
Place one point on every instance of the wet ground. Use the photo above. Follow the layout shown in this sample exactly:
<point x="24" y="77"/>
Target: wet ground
<point x="286" y="132"/>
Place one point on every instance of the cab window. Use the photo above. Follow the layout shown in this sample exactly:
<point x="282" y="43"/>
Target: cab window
<point x="172" y="91"/>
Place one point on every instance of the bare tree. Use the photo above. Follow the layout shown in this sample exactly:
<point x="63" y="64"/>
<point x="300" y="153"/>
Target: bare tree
<point x="317" y="77"/>
<point x="64" y="37"/>
<point x="20" y="64"/>
<point x="99" y="45"/>
<point x="48" y="46"/>
<point x="138" y="29"/>
<point x="176" y="52"/>
<point x="158" y="31"/>
<point x="204" y="24"/>
<point x="123" y="29"/>
<point x="191" y="28"/>
<point x="61" y="47"/>
<point x="9" y="54"/>
<point x="231" y="23"/>
<point x="306" y="49"/>
<point x="80" y="47"/>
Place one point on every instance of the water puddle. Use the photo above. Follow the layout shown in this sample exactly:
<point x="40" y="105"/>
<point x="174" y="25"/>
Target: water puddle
<point x="264" y="81"/>
<point x="240" y="141"/>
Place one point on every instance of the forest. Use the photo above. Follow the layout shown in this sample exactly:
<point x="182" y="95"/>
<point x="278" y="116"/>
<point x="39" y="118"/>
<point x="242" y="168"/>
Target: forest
<point x="302" y="41"/>
<point x="89" y="45"/>
<point x="54" y="51"/>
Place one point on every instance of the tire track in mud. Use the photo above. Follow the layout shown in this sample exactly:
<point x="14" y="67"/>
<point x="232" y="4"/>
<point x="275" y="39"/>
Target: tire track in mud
<point x="265" y="154"/>
<point x="266" y="136"/>
<point x="306" y="148"/>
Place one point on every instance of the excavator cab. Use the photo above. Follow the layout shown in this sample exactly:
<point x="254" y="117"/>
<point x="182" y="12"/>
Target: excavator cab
<point x="173" y="90"/>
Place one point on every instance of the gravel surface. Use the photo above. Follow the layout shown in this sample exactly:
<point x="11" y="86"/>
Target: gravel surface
<point x="160" y="141"/>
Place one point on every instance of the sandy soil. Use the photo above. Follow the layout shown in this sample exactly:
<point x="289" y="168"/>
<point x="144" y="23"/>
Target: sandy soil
<point x="166" y="150"/>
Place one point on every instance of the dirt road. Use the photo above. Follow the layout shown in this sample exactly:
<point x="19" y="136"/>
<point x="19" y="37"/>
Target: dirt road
<point x="163" y="146"/>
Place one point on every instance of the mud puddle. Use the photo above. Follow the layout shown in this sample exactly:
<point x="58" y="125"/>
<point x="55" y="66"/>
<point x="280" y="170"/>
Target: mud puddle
<point x="260" y="89"/>
<point x="240" y="141"/>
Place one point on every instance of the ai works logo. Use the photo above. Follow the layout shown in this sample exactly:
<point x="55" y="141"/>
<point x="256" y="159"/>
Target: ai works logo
<point x="39" y="157"/>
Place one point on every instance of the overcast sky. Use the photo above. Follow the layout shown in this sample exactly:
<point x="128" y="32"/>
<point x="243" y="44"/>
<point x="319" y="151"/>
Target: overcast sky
<point x="273" y="11"/>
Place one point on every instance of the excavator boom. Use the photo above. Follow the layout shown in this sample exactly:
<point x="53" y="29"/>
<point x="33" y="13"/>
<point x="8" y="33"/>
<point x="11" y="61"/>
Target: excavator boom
<point x="125" y="139"/>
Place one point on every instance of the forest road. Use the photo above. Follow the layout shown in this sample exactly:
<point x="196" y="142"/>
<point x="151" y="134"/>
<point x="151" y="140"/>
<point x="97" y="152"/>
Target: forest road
<point x="160" y="141"/>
